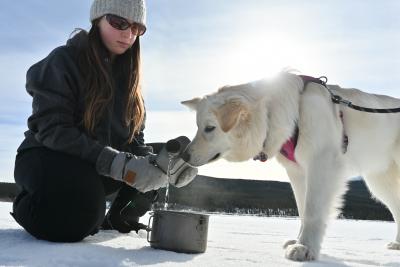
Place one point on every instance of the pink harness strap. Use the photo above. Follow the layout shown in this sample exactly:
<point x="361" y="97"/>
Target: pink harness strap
<point x="288" y="148"/>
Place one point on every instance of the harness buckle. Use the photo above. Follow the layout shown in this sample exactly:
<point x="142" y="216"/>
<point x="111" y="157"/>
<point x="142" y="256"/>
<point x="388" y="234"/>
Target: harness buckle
<point x="336" y="99"/>
<point x="323" y="80"/>
<point x="339" y="100"/>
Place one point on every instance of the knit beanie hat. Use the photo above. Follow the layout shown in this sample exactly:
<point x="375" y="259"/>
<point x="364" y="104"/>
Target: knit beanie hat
<point x="134" y="10"/>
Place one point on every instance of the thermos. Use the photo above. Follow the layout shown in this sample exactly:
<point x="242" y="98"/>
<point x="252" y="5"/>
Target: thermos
<point x="169" y="159"/>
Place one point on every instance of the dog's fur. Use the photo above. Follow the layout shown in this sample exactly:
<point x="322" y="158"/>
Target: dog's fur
<point x="262" y="115"/>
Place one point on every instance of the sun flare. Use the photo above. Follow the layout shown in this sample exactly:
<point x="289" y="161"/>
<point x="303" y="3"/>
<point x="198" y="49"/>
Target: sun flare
<point x="257" y="57"/>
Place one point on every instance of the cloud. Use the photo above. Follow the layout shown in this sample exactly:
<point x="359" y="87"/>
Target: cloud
<point x="194" y="48"/>
<point x="15" y="103"/>
<point x="29" y="25"/>
<point x="10" y="137"/>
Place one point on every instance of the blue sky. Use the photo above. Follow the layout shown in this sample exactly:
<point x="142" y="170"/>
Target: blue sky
<point x="193" y="47"/>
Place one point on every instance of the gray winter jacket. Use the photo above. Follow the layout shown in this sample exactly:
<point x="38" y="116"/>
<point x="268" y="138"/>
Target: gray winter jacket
<point x="56" y="85"/>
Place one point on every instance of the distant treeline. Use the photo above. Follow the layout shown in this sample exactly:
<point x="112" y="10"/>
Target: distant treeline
<point x="269" y="198"/>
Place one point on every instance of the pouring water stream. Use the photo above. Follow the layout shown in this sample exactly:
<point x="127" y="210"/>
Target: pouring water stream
<point x="166" y="199"/>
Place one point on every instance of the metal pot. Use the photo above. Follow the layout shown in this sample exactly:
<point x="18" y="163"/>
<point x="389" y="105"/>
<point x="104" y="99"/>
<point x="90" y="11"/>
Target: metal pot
<point x="178" y="231"/>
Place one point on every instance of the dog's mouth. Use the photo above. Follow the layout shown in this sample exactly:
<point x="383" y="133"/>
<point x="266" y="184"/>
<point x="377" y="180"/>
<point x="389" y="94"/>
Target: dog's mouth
<point x="215" y="157"/>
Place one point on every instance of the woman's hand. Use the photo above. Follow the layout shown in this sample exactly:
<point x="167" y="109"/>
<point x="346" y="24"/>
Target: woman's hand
<point x="137" y="172"/>
<point x="140" y="171"/>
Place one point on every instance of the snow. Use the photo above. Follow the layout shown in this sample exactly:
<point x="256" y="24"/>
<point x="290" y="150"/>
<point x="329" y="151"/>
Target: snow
<point x="232" y="241"/>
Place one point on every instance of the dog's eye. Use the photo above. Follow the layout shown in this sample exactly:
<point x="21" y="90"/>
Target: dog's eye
<point x="209" y="129"/>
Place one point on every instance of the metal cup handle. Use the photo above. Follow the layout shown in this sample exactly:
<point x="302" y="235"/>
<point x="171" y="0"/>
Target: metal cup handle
<point x="149" y="229"/>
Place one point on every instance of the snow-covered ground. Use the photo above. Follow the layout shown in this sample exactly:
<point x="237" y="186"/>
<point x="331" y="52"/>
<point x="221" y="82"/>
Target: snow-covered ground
<point x="232" y="241"/>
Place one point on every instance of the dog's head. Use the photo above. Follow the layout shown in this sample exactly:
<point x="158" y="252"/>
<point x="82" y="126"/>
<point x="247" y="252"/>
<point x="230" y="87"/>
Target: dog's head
<point x="238" y="122"/>
<point x="224" y="122"/>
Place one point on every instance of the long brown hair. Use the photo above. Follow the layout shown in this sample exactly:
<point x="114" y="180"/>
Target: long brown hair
<point x="100" y="84"/>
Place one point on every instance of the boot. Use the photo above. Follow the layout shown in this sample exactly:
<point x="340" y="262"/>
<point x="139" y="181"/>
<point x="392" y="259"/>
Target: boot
<point x="127" y="208"/>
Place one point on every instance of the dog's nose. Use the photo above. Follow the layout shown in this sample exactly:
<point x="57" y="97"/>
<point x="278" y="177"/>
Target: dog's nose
<point x="186" y="156"/>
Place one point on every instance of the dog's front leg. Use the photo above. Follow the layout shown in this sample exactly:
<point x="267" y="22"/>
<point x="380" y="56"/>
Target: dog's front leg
<point x="324" y="184"/>
<point x="297" y="182"/>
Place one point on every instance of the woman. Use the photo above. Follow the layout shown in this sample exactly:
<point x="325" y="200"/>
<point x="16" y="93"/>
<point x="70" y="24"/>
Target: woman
<point x="87" y="127"/>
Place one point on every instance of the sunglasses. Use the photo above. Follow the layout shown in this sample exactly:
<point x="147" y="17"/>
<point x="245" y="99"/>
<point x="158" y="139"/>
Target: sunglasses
<point x="122" y="24"/>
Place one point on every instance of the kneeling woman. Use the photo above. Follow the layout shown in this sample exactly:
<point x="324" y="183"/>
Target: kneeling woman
<point x="85" y="138"/>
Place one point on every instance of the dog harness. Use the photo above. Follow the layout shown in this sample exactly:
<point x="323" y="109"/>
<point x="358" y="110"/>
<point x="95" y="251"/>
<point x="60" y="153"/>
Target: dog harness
<point x="288" y="149"/>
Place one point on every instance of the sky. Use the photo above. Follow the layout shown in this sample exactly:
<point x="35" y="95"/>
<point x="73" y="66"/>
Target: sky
<point x="192" y="48"/>
<point x="232" y="241"/>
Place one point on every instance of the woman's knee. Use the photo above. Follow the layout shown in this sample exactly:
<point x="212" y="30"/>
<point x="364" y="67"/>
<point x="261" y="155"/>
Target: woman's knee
<point x="63" y="199"/>
<point x="72" y="223"/>
<point x="58" y="221"/>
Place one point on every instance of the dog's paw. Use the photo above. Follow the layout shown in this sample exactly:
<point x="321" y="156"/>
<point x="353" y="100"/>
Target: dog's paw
<point x="393" y="245"/>
<point x="299" y="252"/>
<point x="288" y="243"/>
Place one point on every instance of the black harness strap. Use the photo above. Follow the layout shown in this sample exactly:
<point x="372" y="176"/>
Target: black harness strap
<point x="339" y="100"/>
<point x="323" y="80"/>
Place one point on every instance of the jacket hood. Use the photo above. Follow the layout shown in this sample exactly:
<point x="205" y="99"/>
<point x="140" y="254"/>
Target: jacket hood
<point x="79" y="40"/>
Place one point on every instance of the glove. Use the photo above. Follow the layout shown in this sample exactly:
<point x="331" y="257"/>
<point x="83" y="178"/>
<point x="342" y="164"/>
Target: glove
<point x="126" y="209"/>
<point x="185" y="177"/>
<point x="137" y="172"/>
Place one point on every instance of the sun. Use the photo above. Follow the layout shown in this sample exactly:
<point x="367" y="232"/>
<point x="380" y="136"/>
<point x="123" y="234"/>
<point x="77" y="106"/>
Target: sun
<point x="263" y="56"/>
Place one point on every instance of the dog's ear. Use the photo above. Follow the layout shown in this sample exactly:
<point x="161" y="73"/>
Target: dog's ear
<point x="229" y="114"/>
<point x="192" y="104"/>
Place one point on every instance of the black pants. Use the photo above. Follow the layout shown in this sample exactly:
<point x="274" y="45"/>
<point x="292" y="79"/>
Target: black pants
<point x="62" y="197"/>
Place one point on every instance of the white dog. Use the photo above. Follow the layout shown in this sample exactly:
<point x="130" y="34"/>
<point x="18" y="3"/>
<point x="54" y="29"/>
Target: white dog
<point x="330" y="143"/>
